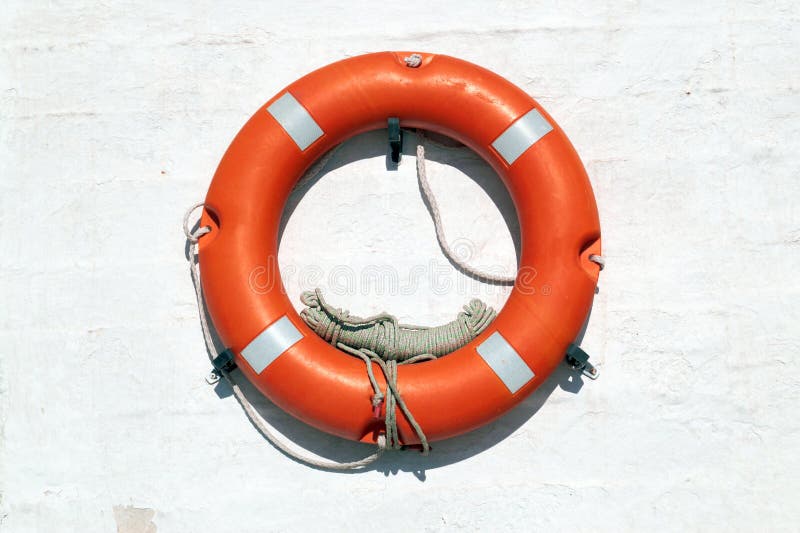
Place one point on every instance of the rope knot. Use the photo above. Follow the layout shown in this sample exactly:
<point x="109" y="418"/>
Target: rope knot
<point x="413" y="61"/>
<point x="194" y="236"/>
<point x="377" y="399"/>
<point x="377" y="403"/>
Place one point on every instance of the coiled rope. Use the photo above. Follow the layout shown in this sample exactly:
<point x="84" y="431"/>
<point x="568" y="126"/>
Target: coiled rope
<point x="390" y="340"/>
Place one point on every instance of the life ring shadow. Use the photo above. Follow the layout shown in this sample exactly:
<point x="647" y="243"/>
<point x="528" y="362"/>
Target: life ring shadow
<point x="369" y="145"/>
<point x="443" y="453"/>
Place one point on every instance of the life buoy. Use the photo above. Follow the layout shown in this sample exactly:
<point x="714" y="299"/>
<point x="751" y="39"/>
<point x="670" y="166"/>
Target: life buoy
<point x="559" y="229"/>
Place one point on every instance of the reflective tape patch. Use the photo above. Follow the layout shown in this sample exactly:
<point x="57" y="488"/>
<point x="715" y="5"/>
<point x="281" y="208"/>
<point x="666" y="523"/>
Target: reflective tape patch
<point x="297" y="122"/>
<point x="521" y="135"/>
<point x="512" y="370"/>
<point x="271" y="343"/>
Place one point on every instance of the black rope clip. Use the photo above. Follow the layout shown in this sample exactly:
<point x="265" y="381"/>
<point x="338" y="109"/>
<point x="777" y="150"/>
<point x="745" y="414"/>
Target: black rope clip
<point x="223" y="364"/>
<point x="395" y="139"/>
<point x="579" y="360"/>
<point x="224" y="361"/>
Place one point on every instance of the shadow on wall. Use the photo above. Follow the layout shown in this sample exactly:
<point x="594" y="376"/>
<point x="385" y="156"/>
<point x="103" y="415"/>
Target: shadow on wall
<point x="443" y="453"/>
<point x="437" y="148"/>
<point x="369" y="145"/>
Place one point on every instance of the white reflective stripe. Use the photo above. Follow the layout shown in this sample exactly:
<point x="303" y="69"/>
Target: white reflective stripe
<point x="297" y="122"/>
<point x="521" y="135"/>
<point x="512" y="370"/>
<point x="271" y="343"/>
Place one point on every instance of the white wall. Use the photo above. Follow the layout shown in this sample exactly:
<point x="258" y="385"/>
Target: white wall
<point x="113" y="117"/>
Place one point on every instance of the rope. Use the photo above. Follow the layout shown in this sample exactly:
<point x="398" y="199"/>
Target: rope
<point x="257" y="420"/>
<point x="413" y="61"/>
<point x="599" y="259"/>
<point x="388" y="339"/>
<point x="381" y="340"/>
<point x="422" y="177"/>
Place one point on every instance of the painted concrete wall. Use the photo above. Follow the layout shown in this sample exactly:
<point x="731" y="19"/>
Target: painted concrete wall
<point x="113" y="117"/>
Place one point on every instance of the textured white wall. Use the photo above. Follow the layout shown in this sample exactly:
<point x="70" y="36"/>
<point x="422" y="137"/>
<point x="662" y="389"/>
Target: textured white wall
<point x="113" y="117"/>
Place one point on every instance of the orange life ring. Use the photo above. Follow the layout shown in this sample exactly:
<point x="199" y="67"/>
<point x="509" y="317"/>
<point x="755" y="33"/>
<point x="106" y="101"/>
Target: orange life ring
<point x="559" y="227"/>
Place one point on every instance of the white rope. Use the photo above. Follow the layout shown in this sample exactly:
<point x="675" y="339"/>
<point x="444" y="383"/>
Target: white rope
<point x="599" y="259"/>
<point x="256" y="419"/>
<point x="193" y="237"/>
<point x="422" y="177"/>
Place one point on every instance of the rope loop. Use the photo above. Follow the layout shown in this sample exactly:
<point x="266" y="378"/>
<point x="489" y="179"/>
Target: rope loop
<point x="194" y="236"/>
<point x="599" y="260"/>
<point x="433" y="207"/>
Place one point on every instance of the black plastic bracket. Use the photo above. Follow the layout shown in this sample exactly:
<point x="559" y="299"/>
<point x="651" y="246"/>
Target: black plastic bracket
<point x="579" y="360"/>
<point x="395" y="139"/>
<point x="224" y="361"/>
